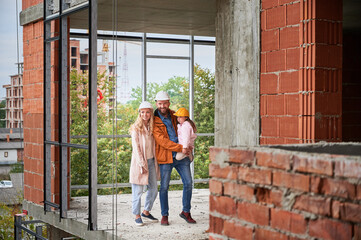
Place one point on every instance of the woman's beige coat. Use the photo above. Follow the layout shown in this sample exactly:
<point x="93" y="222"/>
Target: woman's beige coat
<point x="139" y="165"/>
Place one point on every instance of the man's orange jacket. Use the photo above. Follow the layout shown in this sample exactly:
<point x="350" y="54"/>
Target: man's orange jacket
<point x="163" y="145"/>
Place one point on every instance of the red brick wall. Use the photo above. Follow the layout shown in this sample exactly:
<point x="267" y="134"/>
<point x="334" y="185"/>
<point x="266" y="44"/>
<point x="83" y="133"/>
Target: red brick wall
<point x="266" y="194"/>
<point x="300" y="83"/>
<point x="33" y="111"/>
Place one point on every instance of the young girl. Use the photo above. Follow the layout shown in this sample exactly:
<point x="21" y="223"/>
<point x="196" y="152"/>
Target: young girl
<point x="144" y="168"/>
<point x="186" y="132"/>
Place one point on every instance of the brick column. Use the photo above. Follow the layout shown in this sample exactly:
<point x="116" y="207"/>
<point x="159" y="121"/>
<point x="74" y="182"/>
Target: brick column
<point x="33" y="111"/>
<point x="301" y="61"/>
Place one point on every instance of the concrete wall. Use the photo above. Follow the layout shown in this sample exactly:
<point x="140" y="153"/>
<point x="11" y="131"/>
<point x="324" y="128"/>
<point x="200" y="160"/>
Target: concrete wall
<point x="237" y="73"/>
<point x="12" y="156"/>
<point x="263" y="193"/>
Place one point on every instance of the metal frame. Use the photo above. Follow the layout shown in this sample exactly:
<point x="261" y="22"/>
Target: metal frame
<point x="62" y="143"/>
<point x="18" y="227"/>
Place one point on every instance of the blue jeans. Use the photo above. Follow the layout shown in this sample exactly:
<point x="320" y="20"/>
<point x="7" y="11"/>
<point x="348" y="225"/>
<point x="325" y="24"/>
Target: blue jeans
<point x="137" y="190"/>
<point x="183" y="168"/>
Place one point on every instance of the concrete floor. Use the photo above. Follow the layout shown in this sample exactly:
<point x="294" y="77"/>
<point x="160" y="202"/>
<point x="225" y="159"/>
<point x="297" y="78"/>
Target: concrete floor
<point x="126" y="229"/>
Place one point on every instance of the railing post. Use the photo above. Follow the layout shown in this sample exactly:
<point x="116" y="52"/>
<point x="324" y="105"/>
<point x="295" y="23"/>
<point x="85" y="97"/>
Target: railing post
<point x="17" y="230"/>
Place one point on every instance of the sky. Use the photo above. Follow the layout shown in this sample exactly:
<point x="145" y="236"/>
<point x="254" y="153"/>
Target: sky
<point x="8" y="42"/>
<point x="158" y="70"/>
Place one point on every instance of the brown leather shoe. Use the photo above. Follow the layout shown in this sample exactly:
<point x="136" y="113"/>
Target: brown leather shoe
<point x="187" y="217"/>
<point x="164" y="221"/>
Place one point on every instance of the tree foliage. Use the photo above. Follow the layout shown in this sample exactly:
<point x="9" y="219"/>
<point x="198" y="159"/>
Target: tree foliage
<point x="114" y="155"/>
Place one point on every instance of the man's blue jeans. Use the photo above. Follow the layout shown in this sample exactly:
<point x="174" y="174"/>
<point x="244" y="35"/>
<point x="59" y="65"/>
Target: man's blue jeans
<point x="183" y="168"/>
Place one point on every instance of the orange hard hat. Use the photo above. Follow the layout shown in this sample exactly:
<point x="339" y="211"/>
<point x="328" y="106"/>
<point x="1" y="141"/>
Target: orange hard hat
<point x="182" y="112"/>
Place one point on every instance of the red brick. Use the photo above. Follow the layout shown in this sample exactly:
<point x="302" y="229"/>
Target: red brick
<point x="237" y="231"/>
<point x="276" y="17"/>
<point x="269" y="3"/>
<point x="357" y="232"/>
<point x="350" y="212"/>
<point x="293" y="14"/>
<point x="241" y="156"/>
<point x="332" y="10"/>
<point x="330" y="230"/>
<point x="333" y="187"/>
<point x="253" y="213"/>
<point x="348" y="168"/>
<point x="292" y="104"/>
<point x="288" y="221"/>
<point x="215" y="187"/>
<point x="358" y="190"/>
<point x="293" y="59"/>
<point x="275" y="105"/>
<point x="289" y="127"/>
<point x="289" y="82"/>
<point x="312" y="165"/>
<point x="336" y="208"/>
<point x="270" y="126"/>
<point x="229" y="172"/>
<point x="269" y="196"/>
<point x="222" y="205"/>
<point x="276" y="61"/>
<point x="290" y="180"/>
<point x="316" y="205"/>
<point x="215" y="225"/>
<point x="263" y="62"/>
<point x="329" y="56"/>
<point x="270" y="40"/>
<point x="289" y="37"/>
<point x="269" y="83"/>
<point x="239" y="191"/>
<point x="255" y="175"/>
<point x="214" y="151"/>
<point x="274" y="140"/>
<point x="263" y="234"/>
<point x="276" y="160"/>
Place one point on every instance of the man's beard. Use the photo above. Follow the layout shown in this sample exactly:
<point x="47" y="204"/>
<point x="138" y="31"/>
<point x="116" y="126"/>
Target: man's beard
<point x="163" y="111"/>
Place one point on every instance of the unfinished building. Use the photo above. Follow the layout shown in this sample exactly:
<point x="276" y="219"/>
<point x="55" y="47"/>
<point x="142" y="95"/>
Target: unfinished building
<point x="287" y="72"/>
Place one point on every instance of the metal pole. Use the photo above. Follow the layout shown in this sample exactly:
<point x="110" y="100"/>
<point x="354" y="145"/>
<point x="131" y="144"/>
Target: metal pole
<point x="191" y="91"/>
<point x="47" y="109"/>
<point x="144" y="67"/>
<point x="39" y="231"/>
<point x="63" y="109"/>
<point x="17" y="230"/>
<point x="93" y="26"/>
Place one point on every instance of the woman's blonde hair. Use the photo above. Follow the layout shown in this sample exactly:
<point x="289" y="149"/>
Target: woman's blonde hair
<point x="139" y="126"/>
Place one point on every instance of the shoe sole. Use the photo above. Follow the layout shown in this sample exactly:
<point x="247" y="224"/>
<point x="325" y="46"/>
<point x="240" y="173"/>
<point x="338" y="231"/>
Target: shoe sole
<point x="185" y="218"/>
<point x="150" y="220"/>
<point x="164" y="224"/>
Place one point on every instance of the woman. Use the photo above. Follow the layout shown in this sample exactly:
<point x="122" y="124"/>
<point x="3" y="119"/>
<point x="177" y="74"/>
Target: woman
<point x="144" y="170"/>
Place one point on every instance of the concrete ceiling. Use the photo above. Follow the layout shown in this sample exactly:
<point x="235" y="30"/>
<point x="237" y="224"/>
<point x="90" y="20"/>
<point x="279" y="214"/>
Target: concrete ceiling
<point x="352" y="15"/>
<point x="186" y="17"/>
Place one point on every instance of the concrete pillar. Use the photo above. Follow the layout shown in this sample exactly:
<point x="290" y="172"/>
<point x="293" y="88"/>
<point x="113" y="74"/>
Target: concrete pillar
<point x="237" y="73"/>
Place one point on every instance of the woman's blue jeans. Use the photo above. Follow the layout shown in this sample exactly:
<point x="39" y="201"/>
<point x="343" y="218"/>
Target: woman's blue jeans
<point x="183" y="168"/>
<point x="137" y="190"/>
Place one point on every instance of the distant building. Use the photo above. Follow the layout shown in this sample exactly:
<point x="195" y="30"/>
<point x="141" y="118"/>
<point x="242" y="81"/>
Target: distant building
<point x="11" y="148"/>
<point x="14" y="101"/>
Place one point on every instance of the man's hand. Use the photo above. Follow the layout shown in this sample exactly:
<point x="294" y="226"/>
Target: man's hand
<point x="185" y="151"/>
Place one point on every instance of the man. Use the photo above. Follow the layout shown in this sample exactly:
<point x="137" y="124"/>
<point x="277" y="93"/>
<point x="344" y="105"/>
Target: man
<point x="165" y="135"/>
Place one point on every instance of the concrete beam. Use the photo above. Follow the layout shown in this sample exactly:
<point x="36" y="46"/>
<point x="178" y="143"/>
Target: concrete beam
<point x="237" y="73"/>
<point x="71" y="226"/>
<point x="31" y="14"/>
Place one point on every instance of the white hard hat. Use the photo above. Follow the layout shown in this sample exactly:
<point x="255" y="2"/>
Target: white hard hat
<point x="145" y="104"/>
<point x="162" y="95"/>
